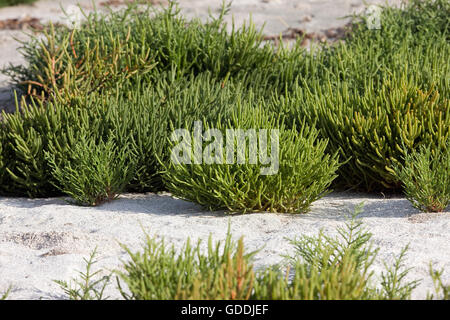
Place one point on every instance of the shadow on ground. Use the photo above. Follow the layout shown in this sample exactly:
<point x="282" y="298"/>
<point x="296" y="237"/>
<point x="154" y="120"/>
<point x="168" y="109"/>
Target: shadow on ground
<point x="336" y="206"/>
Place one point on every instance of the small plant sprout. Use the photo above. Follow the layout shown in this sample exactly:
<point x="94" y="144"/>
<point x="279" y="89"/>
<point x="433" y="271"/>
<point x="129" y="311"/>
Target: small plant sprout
<point x="89" y="286"/>
<point x="425" y="176"/>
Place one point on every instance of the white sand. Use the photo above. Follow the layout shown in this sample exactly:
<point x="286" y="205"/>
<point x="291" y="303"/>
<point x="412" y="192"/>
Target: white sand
<point x="46" y="239"/>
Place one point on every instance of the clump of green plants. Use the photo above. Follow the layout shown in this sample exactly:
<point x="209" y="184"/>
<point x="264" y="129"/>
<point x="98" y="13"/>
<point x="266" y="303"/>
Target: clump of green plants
<point x="136" y="122"/>
<point x="96" y="171"/>
<point x="140" y="122"/>
<point x="335" y="268"/>
<point x="113" y="49"/>
<point x="425" y="176"/>
<point x="374" y="97"/>
<point x="89" y="286"/>
<point x="161" y="273"/>
<point x="275" y="169"/>
<point x="6" y="3"/>
<point x="25" y="136"/>
<point x="321" y="267"/>
<point x="380" y="90"/>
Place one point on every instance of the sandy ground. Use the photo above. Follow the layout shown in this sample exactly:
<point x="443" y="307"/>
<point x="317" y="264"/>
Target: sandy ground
<point x="46" y="239"/>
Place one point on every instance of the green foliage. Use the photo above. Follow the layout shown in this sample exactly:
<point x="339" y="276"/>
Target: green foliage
<point x="380" y="90"/>
<point x="393" y="281"/>
<point x="28" y="135"/>
<point x="6" y="3"/>
<point x="66" y="69"/>
<point x="330" y="268"/>
<point x="2" y="157"/>
<point x="311" y="283"/>
<point x="375" y="97"/>
<point x="426" y="178"/>
<point x="137" y="122"/>
<point x="353" y="240"/>
<point x="375" y="92"/>
<point x="442" y="290"/>
<point x="25" y="137"/>
<point x="374" y="130"/>
<point x="321" y="268"/>
<point x="86" y="288"/>
<point x="421" y="18"/>
<point x="412" y="40"/>
<point x="108" y="50"/>
<point x="298" y="173"/>
<point x="96" y="171"/>
<point x="161" y="273"/>
<point x="5" y="295"/>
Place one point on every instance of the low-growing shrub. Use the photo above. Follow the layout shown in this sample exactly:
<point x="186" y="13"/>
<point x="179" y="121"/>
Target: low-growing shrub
<point x="96" y="171"/>
<point x="137" y="122"/>
<point x="27" y="135"/>
<point x="90" y="286"/>
<point x="425" y="176"/>
<point x="412" y="40"/>
<point x="368" y="96"/>
<point x="109" y="50"/>
<point x="239" y="173"/>
<point x="380" y="89"/>
<point x="442" y="290"/>
<point x="202" y="97"/>
<point x="63" y="68"/>
<point x="6" y="3"/>
<point x="161" y="273"/>
<point x="322" y="268"/>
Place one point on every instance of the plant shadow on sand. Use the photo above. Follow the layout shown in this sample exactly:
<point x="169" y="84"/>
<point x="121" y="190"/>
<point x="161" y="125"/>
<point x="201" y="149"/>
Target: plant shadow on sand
<point x="336" y="206"/>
